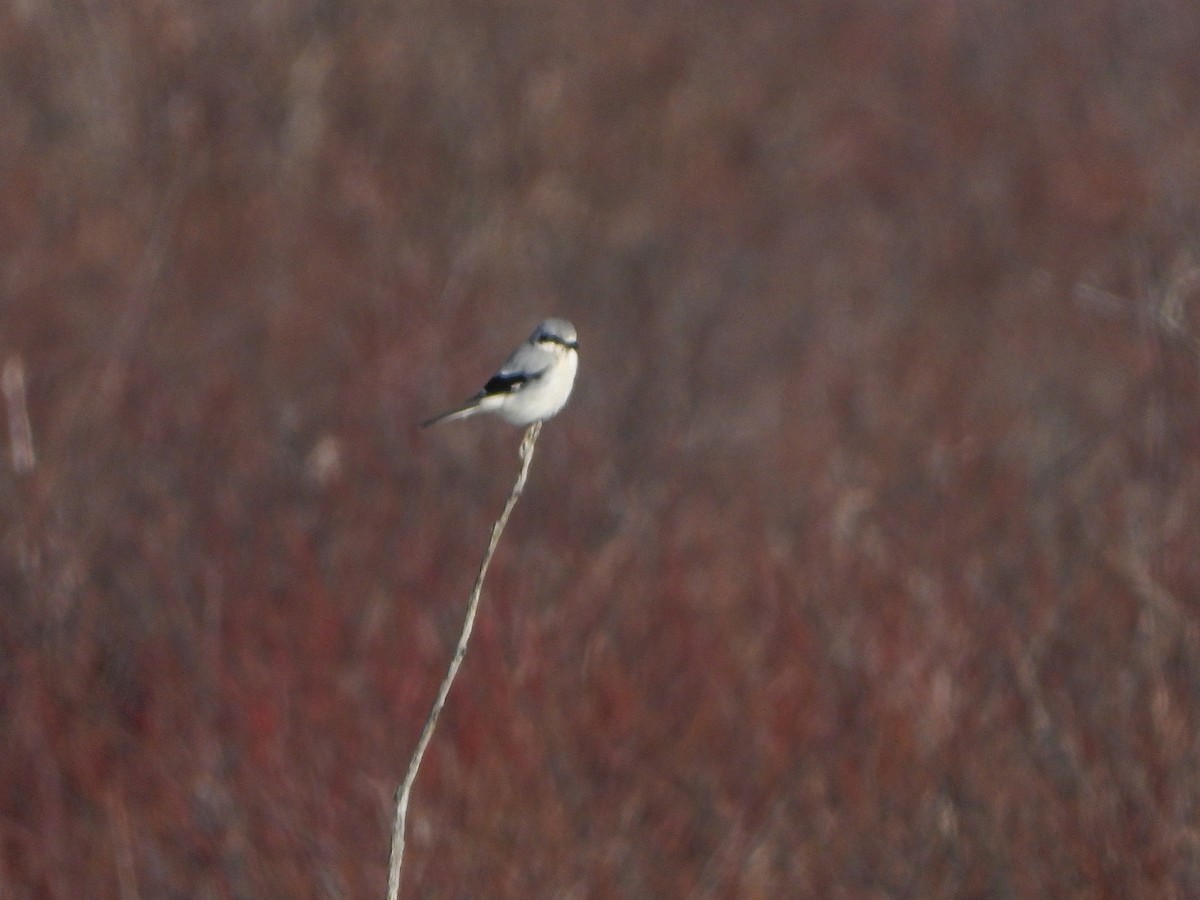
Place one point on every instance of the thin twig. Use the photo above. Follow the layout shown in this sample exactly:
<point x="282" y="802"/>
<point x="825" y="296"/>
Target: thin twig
<point x="405" y="789"/>
<point x="127" y="884"/>
<point x="20" y="432"/>
<point x="1166" y="315"/>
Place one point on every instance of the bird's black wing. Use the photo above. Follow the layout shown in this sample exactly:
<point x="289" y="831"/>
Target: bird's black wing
<point x="508" y="382"/>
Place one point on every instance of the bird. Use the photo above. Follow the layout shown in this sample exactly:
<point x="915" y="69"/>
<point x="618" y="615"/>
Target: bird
<point x="532" y="385"/>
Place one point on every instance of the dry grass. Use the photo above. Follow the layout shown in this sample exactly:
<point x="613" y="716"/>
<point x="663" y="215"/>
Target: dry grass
<point x="863" y="564"/>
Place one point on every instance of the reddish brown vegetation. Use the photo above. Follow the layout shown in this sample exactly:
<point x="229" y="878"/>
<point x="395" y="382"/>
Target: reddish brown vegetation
<point x="863" y="564"/>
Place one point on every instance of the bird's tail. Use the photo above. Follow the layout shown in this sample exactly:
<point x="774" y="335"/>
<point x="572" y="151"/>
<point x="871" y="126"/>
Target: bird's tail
<point x="459" y="412"/>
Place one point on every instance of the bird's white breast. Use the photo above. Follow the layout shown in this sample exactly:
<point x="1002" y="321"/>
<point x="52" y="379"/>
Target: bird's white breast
<point x="544" y="398"/>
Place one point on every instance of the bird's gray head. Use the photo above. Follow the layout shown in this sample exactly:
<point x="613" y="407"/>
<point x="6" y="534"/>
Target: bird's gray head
<point x="556" y="331"/>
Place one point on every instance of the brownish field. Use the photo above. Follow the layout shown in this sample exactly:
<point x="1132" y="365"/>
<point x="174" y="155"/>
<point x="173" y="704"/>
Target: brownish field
<point x="864" y="563"/>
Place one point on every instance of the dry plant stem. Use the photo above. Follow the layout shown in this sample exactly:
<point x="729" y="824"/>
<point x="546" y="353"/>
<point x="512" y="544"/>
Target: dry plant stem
<point x="405" y="789"/>
<point x="20" y="432"/>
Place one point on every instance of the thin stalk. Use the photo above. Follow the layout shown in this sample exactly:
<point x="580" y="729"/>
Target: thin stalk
<point x="405" y="790"/>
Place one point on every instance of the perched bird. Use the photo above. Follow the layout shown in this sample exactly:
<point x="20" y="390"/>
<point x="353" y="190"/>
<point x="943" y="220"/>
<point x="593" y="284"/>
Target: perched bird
<point x="533" y="384"/>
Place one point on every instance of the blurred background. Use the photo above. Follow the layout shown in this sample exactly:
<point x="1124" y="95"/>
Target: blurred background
<point x="863" y="563"/>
